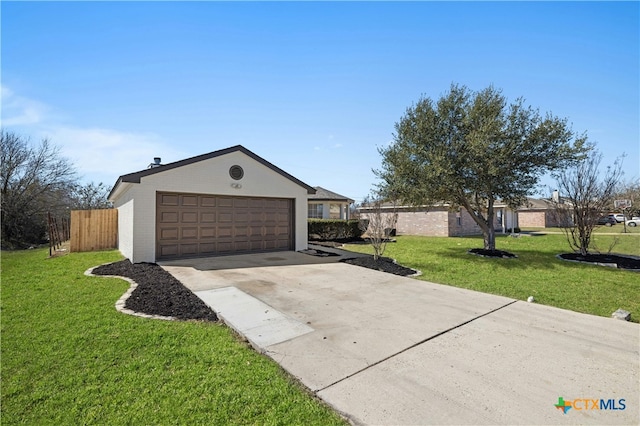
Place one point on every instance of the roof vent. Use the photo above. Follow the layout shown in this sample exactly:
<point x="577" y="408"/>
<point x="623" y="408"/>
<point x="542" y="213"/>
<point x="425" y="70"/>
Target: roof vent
<point x="236" y="172"/>
<point x="156" y="163"/>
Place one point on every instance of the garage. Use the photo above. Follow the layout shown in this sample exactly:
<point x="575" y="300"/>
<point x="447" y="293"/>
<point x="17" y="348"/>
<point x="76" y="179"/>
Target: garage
<point x="201" y="224"/>
<point x="228" y="201"/>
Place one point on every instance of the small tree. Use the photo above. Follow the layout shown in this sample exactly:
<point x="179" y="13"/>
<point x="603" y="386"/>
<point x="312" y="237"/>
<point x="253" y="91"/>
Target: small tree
<point x="378" y="224"/>
<point x="587" y="196"/>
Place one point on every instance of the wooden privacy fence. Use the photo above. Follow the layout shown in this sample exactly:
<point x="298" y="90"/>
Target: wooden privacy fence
<point x="94" y="230"/>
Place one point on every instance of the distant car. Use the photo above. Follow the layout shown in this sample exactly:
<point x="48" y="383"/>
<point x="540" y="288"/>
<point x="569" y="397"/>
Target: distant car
<point x="634" y="221"/>
<point x="619" y="217"/>
<point x="607" y="221"/>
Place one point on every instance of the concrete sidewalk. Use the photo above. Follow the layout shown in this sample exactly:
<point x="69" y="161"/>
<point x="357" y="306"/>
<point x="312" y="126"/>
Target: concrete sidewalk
<point x="384" y="349"/>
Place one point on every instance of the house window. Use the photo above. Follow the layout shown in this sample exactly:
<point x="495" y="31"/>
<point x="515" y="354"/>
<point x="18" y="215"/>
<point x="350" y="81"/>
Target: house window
<point x="334" y="211"/>
<point x="315" y="211"/>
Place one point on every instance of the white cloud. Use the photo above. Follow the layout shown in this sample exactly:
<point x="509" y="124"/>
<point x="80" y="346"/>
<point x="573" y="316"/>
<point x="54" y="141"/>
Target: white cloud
<point x="99" y="154"/>
<point x="20" y="111"/>
<point x="102" y="153"/>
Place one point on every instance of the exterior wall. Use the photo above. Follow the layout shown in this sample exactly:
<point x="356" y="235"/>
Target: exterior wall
<point x="461" y="224"/>
<point x="436" y="222"/>
<point x="206" y="177"/>
<point x="125" y="208"/>
<point x="532" y="219"/>
<point x="430" y="223"/>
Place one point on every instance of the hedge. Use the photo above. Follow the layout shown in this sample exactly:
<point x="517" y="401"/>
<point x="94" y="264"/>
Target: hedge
<point x="334" y="229"/>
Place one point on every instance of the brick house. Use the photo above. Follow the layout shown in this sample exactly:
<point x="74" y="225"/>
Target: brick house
<point x="537" y="213"/>
<point x="440" y="220"/>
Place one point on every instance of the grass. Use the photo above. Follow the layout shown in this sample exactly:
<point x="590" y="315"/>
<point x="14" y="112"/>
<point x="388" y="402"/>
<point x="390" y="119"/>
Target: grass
<point x="536" y="272"/>
<point x="68" y="357"/>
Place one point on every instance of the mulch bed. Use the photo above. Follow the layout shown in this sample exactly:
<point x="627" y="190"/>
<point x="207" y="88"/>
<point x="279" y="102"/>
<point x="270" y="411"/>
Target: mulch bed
<point x="492" y="253"/>
<point x="621" y="262"/>
<point x="158" y="292"/>
<point x="383" y="264"/>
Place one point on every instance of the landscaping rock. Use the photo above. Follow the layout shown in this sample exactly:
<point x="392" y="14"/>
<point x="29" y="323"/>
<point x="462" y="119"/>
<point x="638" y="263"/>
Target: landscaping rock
<point x="621" y="314"/>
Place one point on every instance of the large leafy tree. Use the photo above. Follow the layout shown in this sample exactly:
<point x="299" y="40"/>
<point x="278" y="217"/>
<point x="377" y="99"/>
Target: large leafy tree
<point x="34" y="180"/>
<point x="471" y="149"/>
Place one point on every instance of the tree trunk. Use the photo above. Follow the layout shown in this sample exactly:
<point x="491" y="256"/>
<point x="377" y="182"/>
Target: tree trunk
<point x="486" y="225"/>
<point x="490" y="239"/>
<point x="490" y="232"/>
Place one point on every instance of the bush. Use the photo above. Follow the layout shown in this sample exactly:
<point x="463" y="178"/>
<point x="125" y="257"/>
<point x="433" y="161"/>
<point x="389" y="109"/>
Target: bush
<point x="333" y="229"/>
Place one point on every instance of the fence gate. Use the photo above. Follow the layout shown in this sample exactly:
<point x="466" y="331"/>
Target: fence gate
<point x="94" y="230"/>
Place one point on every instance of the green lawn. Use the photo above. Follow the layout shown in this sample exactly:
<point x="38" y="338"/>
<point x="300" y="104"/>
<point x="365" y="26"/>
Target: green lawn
<point x="68" y="357"/>
<point x="536" y="272"/>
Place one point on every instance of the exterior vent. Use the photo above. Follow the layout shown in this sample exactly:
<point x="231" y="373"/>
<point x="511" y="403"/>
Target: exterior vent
<point x="156" y="163"/>
<point x="236" y="172"/>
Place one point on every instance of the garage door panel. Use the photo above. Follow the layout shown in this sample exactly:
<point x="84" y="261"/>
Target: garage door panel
<point x="207" y="217"/>
<point x="240" y="203"/>
<point x="225" y="217"/>
<point x="169" y="233"/>
<point x="169" y="217"/>
<point x="225" y="231"/>
<point x="256" y="203"/>
<point x="169" y="250"/>
<point x="169" y="199"/>
<point x="189" y="200"/>
<point x="207" y="201"/>
<point x="188" y="249"/>
<point x="207" y="232"/>
<point x="241" y="217"/>
<point x="241" y="231"/>
<point x="225" y="202"/>
<point x="208" y="248"/>
<point x="199" y="224"/>
<point x="189" y="217"/>
<point x="189" y="233"/>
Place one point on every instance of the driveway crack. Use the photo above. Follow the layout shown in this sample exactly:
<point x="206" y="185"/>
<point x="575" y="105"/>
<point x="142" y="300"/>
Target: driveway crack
<point x="416" y="344"/>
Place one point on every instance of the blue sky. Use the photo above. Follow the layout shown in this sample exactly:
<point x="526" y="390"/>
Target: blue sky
<point x="314" y="88"/>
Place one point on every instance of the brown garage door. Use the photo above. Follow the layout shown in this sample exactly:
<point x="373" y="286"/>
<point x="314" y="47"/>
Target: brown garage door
<point x="199" y="224"/>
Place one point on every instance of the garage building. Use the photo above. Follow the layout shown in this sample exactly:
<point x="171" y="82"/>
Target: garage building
<point x="224" y="202"/>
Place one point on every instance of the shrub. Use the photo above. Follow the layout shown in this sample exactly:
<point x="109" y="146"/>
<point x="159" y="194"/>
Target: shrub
<point x="333" y="229"/>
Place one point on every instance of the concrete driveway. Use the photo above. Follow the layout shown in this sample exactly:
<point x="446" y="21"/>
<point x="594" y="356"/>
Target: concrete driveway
<point x="383" y="349"/>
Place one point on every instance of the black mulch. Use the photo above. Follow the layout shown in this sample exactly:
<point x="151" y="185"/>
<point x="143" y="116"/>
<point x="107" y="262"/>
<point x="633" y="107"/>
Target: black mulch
<point x="383" y="264"/>
<point x="158" y="292"/>
<point x="492" y="253"/>
<point x="622" y="262"/>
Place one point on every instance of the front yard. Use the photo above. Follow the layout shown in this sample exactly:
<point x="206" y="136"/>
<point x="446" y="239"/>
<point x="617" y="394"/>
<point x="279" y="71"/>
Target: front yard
<point x="536" y="272"/>
<point x="69" y="358"/>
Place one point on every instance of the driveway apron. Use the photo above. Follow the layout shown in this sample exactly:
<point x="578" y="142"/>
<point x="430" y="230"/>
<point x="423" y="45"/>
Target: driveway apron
<point x="384" y="349"/>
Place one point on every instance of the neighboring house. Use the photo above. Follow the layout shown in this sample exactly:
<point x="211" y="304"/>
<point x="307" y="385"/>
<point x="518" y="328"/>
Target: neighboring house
<point x="325" y="204"/>
<point x="440" y="220"/>
<point x="226" y="201"/>
<point x="538" y="213"/>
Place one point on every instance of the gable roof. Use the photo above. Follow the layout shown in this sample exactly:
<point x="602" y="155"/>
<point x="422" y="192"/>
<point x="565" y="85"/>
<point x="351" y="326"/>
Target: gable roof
<point x="323" y="194"/>
<point x="137" y="176"/>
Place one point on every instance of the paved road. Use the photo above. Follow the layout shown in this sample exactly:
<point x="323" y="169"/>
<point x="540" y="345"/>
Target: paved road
<point x="384" y="349"/>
